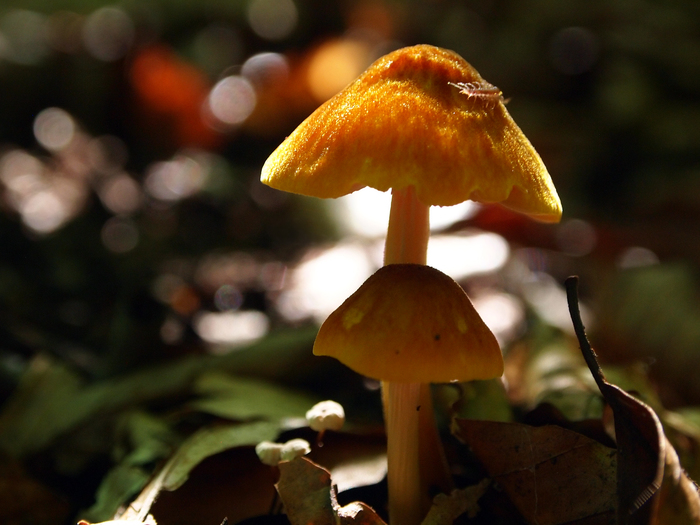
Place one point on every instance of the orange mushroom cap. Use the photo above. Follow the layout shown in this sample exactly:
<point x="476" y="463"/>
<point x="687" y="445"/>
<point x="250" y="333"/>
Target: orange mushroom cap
<point x="411" y="323"/>
<point x="418" y="116"/>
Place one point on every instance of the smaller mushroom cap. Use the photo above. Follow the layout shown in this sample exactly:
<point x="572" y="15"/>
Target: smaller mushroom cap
<point x="294" y="448"/>
<point x="269" y="453"/>
<point x="413" y="324"/>
<point x="420" y="116"/>
<point x="326" y="415"/>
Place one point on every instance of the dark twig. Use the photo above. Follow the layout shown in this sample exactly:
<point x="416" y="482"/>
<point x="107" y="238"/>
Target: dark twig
<point x="589" y="354"/>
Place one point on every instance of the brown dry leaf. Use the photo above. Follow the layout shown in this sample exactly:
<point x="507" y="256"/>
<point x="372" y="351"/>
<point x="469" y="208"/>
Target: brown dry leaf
<point x="678" y="498"/>
<point x="646" y="460"/>
<point x="552" y="475"/>
<point x="308" y="497"/>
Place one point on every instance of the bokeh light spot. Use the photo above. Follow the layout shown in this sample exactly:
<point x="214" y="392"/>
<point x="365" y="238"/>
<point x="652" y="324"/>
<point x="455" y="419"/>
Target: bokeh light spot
<point x="272" y="19"/>
<point x="265" y="69"/>
<point x="461" y="256"/>
<point x="121" y="194"/>
<point x="54" y="129"/>
<point x="636" y="257"/>
<point x="119" y="235"/>
<point x="365" y="212"/>
<point x="232" y="100"/>
<point x="108" y="34"/>
<point x="231" y="328"/>
<point x="503" y="314"/>
<point x="228" y="297"/>
<point x="43" y="211"/>
<point x="334" y="65"/>
<point x="576" y="237"/>
<point x="319" y="284"/>
<point x="175" y="179"/>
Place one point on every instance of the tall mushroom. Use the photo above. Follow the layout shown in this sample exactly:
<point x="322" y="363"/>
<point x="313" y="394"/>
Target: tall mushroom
<point x="423" y="122"/>
<point x="409" y="325"/>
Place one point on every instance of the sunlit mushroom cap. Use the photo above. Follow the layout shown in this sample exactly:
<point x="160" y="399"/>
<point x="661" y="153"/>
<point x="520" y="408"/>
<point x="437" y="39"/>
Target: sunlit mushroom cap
<point x="411" y="323"/>
<point x="419" y="116"/>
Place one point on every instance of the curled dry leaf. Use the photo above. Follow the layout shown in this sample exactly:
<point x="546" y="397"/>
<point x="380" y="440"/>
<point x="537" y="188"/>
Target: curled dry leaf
<point x="308" y="496"/>
<point x="652" y="488"/>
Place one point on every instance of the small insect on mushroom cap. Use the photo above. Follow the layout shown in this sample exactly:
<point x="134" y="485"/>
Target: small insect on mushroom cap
<point x="420" y="116"/>
<point x="411" y="323"/>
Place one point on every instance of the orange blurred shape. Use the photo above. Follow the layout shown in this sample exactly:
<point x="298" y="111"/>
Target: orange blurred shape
<point x="336" y="63"/>
<point x="514" y="226"/>
<point x="375" y="16"/>
<point x="172" y="93"/>
<point x="185" y="300"/>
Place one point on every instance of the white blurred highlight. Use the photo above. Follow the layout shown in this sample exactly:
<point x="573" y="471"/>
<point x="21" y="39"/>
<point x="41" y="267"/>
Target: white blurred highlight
<point x="548" y="298"/>
<point x="264" y="69"/>
<point x="54" y="129"/>
<point x="503" y="314"/>
<point x="45" y="199"/>
<point x="319" y="284"/>
<point x="176" y="179"/>
<point x="461" y="256"/>
<point x="43" y="211"/>
<point x="231" y="328"/>
<point x="232" y="100"/>
<point x="366" y="213"/>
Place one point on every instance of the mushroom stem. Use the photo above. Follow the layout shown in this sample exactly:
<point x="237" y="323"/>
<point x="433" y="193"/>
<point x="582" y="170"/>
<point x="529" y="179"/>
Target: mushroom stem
<point x="402" y="410"/>
<point x="409" y="229"/>
<point x="407" y="242"/>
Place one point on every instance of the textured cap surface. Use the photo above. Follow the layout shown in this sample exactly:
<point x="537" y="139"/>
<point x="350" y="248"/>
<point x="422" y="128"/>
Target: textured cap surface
<point x="419" y="116"/>
<point x="411" y="323"/>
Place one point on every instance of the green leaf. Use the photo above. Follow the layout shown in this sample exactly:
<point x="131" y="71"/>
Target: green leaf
<point x="120" y="484"/>
<point x="201" y="445"/>
<point x="485" y="400"/>
<point x="242" y="398"/>
<point x="52" y="399"/>
<point x="210" y="441"/>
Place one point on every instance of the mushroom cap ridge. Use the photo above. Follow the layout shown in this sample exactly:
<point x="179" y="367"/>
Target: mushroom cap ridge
<point x="405" y="121"/>
<point x="411" y="323"/>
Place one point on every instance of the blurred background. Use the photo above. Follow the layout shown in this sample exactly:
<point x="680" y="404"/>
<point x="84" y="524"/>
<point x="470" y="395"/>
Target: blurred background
<point x="134" y="229"/>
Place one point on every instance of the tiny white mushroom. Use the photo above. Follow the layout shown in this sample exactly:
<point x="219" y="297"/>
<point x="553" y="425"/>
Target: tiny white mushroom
<point x="294" y="448"/>
<point x="326" y="415"/>
<point x="269" y="452"/>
